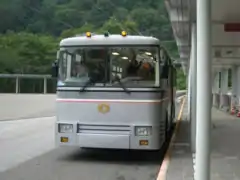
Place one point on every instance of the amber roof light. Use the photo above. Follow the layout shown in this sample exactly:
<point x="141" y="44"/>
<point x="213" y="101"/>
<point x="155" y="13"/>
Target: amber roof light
<point x="88" y="34"/>
<point x="124" y="33"/>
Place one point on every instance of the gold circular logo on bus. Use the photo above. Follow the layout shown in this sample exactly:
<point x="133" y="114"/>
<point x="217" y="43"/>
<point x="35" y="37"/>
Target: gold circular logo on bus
<point x="103" y="108"/>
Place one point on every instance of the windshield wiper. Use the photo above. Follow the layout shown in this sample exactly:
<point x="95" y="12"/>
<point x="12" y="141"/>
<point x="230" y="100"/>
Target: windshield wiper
<point x="93" y="81"/>
<point x="89" y="82"/>
<point x="122" y="85"/>
<point x="94" y="77"/>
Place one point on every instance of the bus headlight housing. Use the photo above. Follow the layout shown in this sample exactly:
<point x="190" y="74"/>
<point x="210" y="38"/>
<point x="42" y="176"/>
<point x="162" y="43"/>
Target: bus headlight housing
<point x="143" y="131"/>
<point x="65" y="128"/>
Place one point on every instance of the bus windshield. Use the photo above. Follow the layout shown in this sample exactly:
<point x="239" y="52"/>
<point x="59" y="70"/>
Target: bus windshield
<point x="133" y="66"/>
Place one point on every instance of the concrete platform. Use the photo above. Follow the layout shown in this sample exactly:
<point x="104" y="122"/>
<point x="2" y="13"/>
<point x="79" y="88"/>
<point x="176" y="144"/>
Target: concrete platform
<point x="225" y="157"/>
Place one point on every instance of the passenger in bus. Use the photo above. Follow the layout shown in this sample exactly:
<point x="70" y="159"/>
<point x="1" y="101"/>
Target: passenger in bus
<point x="145" y="71"/>
<point x="133" y="67"/>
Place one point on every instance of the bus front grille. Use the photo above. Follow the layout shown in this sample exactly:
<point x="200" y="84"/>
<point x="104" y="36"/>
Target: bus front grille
<point x="103" y="129"/>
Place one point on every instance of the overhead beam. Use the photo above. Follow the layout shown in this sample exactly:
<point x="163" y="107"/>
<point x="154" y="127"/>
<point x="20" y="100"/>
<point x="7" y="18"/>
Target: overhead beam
<point x="184" y="26"/>
<point x="214" y="46"/>
<point x="222" y="51"/>
<point x="184" y="47"/>
<point x="185" y="20"/>
<point x="177" y="4"/>
<point x="217" y="60"/>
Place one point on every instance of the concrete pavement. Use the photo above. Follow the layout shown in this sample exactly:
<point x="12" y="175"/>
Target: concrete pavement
<point x="27" y="148"/>
<point x="75" y="164"/>
<point x="28" y="153"/>
<point x="225" y="149"/>
<point x="24" y="139"/>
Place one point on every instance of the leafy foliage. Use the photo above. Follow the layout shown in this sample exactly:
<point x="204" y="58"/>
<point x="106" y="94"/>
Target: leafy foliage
<point x="31" y="29"/>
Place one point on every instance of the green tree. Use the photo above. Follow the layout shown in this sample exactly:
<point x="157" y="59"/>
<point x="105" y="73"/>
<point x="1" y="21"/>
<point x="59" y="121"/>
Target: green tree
<point x="115" y="27"/>
<point x="181" y="79"/>
<point x="76" y="31"/>
<point x="30" y="30"/>
<point x="27" y="53"/>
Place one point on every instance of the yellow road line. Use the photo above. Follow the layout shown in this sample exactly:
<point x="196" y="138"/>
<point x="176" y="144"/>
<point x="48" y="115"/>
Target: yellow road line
<point x="164" y="167"/>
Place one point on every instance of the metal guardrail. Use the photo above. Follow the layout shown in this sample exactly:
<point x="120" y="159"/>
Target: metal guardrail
<point x="45" y="77"/>
<point x="33" y="76"/>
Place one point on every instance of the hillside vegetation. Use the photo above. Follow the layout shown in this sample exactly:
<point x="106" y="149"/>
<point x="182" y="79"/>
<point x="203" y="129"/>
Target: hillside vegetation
<point x="31" y="29"/>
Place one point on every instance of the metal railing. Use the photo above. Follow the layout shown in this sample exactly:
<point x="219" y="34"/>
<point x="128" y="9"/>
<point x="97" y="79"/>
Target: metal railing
<point x="19" y="77"/>
<point x="17" y="82"/>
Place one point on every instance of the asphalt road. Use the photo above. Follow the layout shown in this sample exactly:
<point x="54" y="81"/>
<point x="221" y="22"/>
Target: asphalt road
<point x="76" y="164"/>
<point x="22" y="106"/>
<point x="27" y="149"/>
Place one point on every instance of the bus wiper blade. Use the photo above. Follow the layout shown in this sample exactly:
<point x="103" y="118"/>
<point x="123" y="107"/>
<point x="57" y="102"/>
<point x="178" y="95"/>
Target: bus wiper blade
<point x="94" y="77"/>
<point x="122" y="85"/>
<point x="89" y="82"/>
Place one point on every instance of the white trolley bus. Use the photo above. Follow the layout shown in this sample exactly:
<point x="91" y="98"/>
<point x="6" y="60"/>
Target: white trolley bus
<point x="113" y="91"/>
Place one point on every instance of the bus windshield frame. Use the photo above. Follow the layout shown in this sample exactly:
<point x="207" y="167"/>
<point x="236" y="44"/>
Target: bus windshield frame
<point x="136" y="66"/>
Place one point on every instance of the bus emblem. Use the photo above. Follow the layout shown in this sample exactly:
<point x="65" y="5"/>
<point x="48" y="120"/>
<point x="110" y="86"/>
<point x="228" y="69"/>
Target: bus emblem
<point x="103" y="108"/>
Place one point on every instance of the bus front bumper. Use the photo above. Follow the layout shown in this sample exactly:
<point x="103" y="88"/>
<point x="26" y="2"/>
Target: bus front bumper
<point x="108" y="141"/>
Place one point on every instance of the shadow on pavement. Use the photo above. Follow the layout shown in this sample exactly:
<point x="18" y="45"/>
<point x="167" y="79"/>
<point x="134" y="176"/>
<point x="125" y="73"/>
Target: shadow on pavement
<point x="115" y="156"/>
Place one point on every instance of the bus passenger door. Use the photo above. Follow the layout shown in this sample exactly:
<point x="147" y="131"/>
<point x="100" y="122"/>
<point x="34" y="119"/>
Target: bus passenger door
<point x="167" y="99"/>
<point x="172" y="87"/>
<point x="170" y="96"/>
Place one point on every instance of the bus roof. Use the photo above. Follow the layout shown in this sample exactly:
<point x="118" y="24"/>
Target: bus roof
<point x="96" y="40"/>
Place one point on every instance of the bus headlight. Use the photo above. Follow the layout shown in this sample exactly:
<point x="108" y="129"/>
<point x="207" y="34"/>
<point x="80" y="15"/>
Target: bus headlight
<point x="65" y="128"/>
<point x="143" y="131"/>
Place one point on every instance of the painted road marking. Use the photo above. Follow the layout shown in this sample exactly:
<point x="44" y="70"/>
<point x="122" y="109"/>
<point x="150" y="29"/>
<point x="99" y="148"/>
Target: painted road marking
<point x="163" y="169"/>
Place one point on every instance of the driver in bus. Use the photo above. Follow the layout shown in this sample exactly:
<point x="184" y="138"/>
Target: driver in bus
<point x="80" y="70"/>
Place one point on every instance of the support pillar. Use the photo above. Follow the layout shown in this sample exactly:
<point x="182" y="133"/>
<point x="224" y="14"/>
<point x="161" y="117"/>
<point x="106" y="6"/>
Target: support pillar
<point x="213" y="76"/>
<point x="189" y="95"/>
<point x="238" y="92"/>
<point x="234" y="80"/>
<point x="224" y="81"/>
<point x="216" y="89"/>
<point x="45" y="85"/>
<point x="224" y="98"/>
<point x="234" y="97"/>
<point x="17" y="87"/>
<point x="193" y="66"/>
<point x="216" y="83"/>
<point x="204" y="67"/>
<point x="238" y="79"/>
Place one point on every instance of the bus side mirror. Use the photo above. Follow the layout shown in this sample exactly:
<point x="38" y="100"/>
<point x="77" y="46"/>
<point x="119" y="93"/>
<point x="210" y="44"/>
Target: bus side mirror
<point x="55" y="69"/>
